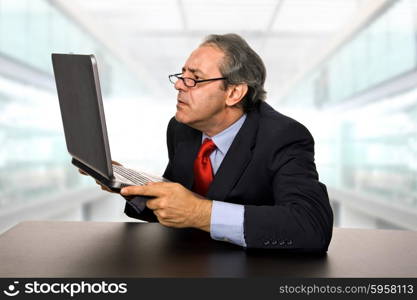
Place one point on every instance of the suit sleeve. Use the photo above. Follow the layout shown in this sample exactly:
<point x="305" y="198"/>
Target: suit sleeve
<point x="171" y="148"/>
<point x="301" y="217"/>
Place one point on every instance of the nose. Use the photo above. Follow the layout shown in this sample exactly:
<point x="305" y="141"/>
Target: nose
<point x="179" y="85"/>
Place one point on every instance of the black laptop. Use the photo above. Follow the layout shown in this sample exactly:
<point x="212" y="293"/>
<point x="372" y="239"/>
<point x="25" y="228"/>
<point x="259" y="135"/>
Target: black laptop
<point x="79" y="94"/>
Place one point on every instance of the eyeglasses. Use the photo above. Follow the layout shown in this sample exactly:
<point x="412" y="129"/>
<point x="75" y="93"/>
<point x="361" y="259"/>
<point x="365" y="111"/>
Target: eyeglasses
<point x="189" y="82"/>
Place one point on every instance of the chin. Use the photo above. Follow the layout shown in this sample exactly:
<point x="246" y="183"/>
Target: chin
<point x="179" y="116"/>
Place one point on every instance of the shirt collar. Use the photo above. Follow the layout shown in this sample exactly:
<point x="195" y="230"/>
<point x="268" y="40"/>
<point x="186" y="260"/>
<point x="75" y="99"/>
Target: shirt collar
<point x="224" y="139"/>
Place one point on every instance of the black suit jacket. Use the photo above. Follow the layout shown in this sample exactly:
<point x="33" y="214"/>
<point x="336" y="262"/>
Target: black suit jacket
<point x="269" y="169"/>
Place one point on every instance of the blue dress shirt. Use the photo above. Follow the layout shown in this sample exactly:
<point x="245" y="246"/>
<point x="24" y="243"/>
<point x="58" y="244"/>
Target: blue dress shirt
<point x="226" y="218"/>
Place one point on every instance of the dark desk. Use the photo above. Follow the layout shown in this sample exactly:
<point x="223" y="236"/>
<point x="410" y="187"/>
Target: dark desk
<point x="92" y="249"/>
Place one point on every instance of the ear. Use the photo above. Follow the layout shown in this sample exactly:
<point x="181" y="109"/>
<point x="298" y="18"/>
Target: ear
<point x="235" y="93"/>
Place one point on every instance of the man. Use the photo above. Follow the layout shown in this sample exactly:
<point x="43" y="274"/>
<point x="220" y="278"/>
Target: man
<point x="239" y="169"/>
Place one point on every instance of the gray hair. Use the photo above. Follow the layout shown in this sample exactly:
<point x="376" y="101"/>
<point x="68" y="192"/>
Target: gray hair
<point x="241" y="65"/>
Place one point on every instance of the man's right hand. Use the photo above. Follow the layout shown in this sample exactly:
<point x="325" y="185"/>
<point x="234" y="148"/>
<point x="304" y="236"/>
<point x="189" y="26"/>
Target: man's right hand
<point x="104" y="188"/>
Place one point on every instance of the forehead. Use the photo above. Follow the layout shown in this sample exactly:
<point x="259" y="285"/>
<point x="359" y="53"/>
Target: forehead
<point x="205" y="60"/>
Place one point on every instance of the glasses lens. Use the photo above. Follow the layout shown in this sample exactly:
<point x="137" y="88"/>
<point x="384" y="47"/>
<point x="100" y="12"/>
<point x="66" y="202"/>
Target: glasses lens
<point x="173" y="79"/>
<point x="189" y="82"/>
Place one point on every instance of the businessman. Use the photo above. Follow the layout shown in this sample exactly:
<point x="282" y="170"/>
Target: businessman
<point x="239" y="169"/>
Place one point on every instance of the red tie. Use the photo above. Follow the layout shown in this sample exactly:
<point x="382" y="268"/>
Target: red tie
<point x="203" y="171"/>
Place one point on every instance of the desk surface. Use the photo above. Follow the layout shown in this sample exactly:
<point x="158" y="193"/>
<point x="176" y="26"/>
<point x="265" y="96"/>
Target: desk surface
<point x="95" y="249"/>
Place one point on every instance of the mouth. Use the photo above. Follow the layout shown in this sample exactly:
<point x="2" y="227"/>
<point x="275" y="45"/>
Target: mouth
<point x="181" y="102"/>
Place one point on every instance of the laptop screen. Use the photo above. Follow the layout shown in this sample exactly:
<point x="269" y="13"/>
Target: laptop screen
<point x="82" y="111"/>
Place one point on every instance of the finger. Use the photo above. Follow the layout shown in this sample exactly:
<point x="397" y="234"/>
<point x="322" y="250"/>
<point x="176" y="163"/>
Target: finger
<point x="116" y="163"/>
<point x="104" y="188"/>
<point x="82" y="172"/>
<point x="161" y="218"/>
<point x="163" y="223"/>
<point x="99" y="183"/>
<point x="143" y="190"/>
<point x="167" y="223"/>
<point x="153" y="204"/>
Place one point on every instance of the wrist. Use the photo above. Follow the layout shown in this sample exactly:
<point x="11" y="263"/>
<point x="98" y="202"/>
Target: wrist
<point x="204" y="215"/>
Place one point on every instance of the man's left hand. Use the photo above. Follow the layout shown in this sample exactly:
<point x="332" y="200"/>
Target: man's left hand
<point x="174" y="205"/>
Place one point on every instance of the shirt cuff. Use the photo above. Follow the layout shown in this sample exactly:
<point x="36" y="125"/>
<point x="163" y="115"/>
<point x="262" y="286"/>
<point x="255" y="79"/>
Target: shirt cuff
<point x="227" y="222"/>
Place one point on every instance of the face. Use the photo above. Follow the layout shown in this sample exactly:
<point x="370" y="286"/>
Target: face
<point x="203" y="105"/>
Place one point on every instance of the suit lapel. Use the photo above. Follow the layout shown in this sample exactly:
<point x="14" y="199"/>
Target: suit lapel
<point x="236" y="159"/>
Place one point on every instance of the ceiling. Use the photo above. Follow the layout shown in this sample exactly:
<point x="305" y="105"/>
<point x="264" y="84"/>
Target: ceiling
<point x="158" y="35"/>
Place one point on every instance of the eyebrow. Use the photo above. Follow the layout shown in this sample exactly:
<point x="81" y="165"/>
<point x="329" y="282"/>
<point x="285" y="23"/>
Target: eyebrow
<point x="194" y="71"/>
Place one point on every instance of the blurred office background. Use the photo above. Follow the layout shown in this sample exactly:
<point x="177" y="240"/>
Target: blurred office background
<point x="347" y="69"/>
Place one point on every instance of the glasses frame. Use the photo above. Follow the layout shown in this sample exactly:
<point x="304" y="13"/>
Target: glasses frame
<point x="178" y="77"/>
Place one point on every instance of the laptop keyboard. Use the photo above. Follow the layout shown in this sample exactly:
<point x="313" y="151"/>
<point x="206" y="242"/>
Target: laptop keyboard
<point x="131" y="175"/>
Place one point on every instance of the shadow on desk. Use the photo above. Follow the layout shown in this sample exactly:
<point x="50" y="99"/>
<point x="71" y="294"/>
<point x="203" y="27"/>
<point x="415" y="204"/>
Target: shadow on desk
<point x="190" y="252"/>
<point x="98" y="249"/>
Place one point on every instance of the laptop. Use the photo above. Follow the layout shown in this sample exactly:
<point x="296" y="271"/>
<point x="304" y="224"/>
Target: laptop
<point x="82" y="112"/>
